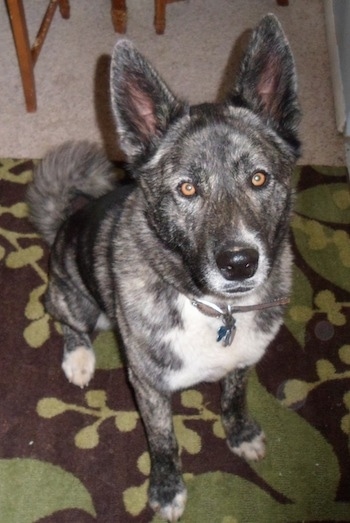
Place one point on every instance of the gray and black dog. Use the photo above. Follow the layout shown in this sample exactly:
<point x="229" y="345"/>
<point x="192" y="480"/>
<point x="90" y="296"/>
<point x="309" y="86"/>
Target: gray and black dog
<point x="191" y="261"/>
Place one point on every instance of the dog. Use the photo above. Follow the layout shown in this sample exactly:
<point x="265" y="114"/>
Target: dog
<point x="191" y="261"/>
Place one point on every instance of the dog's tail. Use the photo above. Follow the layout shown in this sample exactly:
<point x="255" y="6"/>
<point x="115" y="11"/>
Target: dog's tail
<point x="65" y="172"/>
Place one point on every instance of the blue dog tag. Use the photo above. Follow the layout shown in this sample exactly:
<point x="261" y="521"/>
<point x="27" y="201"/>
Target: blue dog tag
<point x="226" y="332"/>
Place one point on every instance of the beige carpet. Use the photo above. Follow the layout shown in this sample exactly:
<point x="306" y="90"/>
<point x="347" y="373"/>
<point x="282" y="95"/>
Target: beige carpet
<point x="193" y="56"/>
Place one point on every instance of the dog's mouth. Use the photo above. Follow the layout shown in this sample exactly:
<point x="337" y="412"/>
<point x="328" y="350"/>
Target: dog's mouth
<point x="240" y="290"/>
<point x="216" y="285"/>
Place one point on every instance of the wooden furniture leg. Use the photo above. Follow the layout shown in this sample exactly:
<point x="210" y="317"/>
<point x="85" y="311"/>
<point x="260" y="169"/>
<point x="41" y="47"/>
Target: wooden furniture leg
<point x="119" y="14"/>
<point x="283" y="2"/>
<point x="64" y="8"/>
<point x="27" y="55"/>
<point x="21" y="38"/>
<point x="159" y="16"/>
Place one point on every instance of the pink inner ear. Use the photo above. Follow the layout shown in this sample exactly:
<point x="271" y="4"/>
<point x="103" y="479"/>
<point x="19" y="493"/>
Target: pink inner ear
<point x="269" y="84"/>
<point x="143" y="111"/>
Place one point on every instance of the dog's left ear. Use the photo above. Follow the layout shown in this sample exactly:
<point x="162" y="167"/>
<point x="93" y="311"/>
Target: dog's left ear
<point x="142" y="103"/>
<point x="266" y="80"/>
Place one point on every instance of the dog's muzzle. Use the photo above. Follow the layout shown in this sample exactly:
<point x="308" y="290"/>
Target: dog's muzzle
<point x="237" y="264"/>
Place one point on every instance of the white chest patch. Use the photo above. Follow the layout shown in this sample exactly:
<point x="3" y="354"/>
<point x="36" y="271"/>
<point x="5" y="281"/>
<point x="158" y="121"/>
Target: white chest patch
<point x="205" y="359"/>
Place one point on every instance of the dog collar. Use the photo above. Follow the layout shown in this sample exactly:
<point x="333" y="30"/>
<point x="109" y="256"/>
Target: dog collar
<point x="227" y="331"/>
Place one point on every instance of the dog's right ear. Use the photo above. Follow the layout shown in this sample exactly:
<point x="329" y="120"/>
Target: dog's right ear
<point x="143" y="105"/>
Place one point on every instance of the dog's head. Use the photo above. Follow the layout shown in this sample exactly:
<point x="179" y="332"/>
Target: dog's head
<point x="215" y="177"/>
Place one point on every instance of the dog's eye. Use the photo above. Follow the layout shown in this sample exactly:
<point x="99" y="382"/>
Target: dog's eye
<point x="188" y="189"/>
<point x="259" y="179"/>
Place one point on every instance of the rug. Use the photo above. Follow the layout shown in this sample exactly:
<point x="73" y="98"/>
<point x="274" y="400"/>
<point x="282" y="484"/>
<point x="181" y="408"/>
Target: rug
<point x="80" y="456"/>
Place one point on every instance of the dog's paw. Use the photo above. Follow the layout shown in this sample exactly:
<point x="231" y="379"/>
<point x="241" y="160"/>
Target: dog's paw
<point x="79" y="366"/>
<point x="173" y="511"/>
<point x="253" y="450"/>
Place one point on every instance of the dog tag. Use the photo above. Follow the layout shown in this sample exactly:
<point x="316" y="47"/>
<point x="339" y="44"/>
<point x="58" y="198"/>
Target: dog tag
<point x="226" y="332"/>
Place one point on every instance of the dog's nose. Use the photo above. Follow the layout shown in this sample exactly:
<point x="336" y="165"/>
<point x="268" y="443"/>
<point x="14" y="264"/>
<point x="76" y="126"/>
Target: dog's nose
<point x="237" y="264"/>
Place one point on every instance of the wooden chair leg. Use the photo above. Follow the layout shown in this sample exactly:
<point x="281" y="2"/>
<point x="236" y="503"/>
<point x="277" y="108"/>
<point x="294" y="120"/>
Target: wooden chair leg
<point x="21" y="38"/>
<point x="119" y="14"/>
<point x="64" y="8"/>
<point x="43" y="30"/>
<point x="283" y="2"/>
<point x="159" y="16"/>
<point x="27" y="55"/>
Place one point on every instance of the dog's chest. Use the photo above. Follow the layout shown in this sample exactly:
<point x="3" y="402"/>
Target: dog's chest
<point x="205" y="359"/>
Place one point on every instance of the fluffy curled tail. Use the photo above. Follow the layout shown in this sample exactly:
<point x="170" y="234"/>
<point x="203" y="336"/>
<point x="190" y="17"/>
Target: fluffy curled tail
<point x="69" y="170"/>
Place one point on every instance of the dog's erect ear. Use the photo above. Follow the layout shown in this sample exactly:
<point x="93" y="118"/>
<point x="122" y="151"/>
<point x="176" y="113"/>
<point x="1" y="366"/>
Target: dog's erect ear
<point x="142" y="103"/>
<point x="266" y="80"/>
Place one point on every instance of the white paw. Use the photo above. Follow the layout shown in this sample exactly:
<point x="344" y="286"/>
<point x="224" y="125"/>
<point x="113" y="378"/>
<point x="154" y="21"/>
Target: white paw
<point x="79" y="366"/>
<point x="174" y="510"/>
<point x="253" y="450"/>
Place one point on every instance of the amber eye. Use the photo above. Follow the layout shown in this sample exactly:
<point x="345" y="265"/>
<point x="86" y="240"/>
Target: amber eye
<point x="259" y="179"/>
<point x="187" y="189"/>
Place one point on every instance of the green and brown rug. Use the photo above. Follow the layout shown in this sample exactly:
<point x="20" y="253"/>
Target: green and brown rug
<point x="80" y="456"/>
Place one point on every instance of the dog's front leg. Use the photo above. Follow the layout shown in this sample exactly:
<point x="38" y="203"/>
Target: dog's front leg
<point x="167" y="492"/>
<point x="244" y="436"/>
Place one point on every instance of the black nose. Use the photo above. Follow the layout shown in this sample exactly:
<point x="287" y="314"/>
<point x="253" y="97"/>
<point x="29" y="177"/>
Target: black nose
<point x="238" y="264"/>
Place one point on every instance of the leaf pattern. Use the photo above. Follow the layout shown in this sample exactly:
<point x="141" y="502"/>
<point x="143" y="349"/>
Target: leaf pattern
<point x="55" y="490"/>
